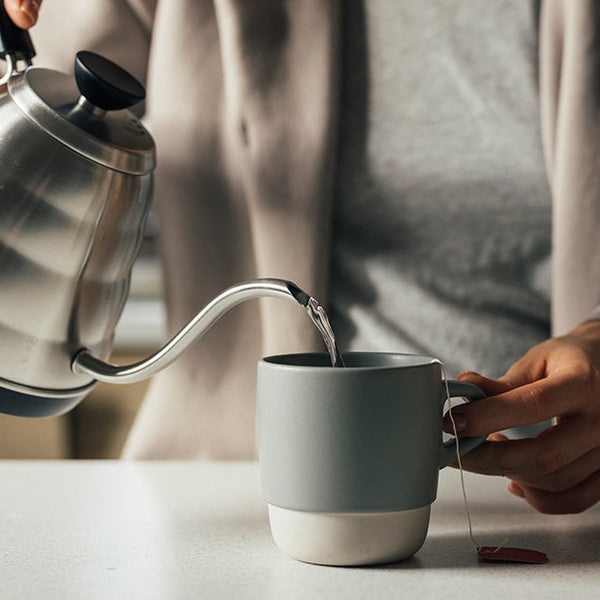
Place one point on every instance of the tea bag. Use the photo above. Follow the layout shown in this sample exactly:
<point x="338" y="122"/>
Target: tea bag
<point x="506" y="554"/>
<point x="499" y="553"/>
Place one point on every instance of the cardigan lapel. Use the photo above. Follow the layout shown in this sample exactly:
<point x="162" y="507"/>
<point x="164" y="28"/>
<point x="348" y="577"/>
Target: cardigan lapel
<point x="281" y="88"/>
<point x="570" y="113"/>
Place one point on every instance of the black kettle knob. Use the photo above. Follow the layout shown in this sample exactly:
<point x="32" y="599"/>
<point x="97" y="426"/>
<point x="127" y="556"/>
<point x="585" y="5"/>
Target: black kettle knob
<point x="14" y="41"/>
<point x="105" y="84"/>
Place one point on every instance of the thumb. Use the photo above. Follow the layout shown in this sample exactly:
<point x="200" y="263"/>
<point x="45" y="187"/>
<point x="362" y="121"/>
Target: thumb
<point x="23" y="13"/>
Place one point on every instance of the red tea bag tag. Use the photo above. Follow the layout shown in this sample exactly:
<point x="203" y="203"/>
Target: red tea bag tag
<point x="515" y="555"/>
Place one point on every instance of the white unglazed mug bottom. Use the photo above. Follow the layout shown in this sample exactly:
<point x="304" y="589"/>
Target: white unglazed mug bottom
<point x="349" y="539"/>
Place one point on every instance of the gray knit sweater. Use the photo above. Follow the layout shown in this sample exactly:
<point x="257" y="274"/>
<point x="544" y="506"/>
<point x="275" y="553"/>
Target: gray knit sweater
<point x="442" y="212"/>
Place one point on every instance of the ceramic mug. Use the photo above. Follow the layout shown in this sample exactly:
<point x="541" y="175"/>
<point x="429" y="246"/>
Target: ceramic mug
<point x="349" y="456"/>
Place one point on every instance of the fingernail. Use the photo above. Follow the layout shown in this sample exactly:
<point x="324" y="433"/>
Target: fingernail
<point x="30" y="8"/>
<point x="459" y="422"/>
<point x="516" y="489"/>
<point x="463" y="374"/>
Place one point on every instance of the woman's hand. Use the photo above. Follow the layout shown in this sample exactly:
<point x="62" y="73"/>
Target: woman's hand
<point x="558" y="471"/>
<point x="24" y="13"/>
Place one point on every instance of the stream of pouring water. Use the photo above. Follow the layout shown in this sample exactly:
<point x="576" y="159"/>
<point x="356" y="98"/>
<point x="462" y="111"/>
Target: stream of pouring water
<point x="318" y="316"/>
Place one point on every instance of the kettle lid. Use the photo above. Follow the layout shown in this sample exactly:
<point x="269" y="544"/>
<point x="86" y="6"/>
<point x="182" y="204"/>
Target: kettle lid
<point x="87" y="114"/>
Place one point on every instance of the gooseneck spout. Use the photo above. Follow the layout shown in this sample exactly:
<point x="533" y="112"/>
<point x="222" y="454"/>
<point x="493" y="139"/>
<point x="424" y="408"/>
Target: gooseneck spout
<point x="85" y="363"/>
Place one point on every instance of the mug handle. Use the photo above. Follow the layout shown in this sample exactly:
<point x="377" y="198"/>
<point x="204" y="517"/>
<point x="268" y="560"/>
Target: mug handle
<point x="448" y="450"/>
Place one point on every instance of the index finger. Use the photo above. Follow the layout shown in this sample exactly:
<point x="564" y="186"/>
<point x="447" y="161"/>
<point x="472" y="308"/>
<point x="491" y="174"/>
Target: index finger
<point x="524" y="405"/>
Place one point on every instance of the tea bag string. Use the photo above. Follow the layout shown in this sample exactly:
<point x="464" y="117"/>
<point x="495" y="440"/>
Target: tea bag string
<point x="460" y="467"/>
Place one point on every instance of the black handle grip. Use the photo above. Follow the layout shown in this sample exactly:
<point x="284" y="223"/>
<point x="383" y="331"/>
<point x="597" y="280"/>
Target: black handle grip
<point x="104" y="83"/>
<point x="14" y="40"/>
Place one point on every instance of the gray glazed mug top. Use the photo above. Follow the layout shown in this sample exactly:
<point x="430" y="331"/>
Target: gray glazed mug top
<point x="312" y="361"/>
<point x="362" y="438"/>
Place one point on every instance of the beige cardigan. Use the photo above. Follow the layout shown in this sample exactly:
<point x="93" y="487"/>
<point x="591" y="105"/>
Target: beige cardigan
<point x="243" y="102"/>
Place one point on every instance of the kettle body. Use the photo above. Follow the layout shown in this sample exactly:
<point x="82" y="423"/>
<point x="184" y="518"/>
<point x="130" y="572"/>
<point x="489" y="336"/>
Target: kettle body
<point x="70" y="229"/>
<point x="75" y="188"/>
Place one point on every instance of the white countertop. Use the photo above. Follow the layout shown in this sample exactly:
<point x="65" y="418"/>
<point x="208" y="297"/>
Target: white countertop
<point x="114" y="529"/>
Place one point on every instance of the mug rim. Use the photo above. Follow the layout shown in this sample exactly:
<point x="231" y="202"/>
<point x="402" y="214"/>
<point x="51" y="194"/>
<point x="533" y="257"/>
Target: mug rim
<point x="417" y="361"/>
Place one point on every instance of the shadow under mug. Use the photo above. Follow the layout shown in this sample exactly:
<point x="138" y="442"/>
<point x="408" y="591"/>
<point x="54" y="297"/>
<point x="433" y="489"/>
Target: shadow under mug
<point x="349" y="456"/>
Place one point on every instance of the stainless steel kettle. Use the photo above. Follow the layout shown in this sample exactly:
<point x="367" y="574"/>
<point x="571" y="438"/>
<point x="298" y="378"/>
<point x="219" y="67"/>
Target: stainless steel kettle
<point x="75" y="187"/>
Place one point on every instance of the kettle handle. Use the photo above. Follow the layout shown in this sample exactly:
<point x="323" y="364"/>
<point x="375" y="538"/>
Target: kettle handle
<point x="15" y="43"/>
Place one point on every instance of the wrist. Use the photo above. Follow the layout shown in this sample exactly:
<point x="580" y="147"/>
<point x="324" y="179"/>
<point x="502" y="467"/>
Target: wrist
<point x="587" y="329"/>
<point x="587" y="334"/>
